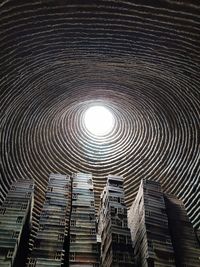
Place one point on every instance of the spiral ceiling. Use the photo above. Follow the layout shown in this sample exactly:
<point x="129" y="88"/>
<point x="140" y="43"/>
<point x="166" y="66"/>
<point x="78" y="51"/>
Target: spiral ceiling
<point x="140" y="59"/>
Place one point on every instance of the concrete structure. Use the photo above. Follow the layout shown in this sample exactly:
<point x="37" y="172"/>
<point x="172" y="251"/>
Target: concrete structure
<point x="141" y="59"/>
<point x="116" y="245"/>
<point x="15" y="224"/>
<point x="184" y="240"/>
<point x="148" y="223"/>
<point x="83" y="237"/>
<point x="51" y="243"/>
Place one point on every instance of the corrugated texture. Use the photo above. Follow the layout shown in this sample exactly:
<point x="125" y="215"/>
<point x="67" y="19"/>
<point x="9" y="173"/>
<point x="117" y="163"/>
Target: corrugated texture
<point x="139" y="57"/>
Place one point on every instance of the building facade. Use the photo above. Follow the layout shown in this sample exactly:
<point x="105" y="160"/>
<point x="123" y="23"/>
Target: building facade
<point x="69" y="234"/>
<point x="15" y="224"/>
<point x="184" y="240"/>
<point x="116" y="245"/>
<point x="83" y="237"/>
<point x="51" y="243"/>
<point x="148" y="223"/>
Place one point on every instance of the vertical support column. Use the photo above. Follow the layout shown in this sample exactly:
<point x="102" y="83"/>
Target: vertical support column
<point x="50" y="243"/>
<point x="15" y="221"/>
<point x="184" y="240"/>
<point x="116" y="245"/>
<point x="149" y="227"/>
<point x="83" y="238"/>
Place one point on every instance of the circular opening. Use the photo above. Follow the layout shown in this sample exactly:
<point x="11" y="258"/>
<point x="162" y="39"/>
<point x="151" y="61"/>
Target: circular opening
<point x="99" y="120"/>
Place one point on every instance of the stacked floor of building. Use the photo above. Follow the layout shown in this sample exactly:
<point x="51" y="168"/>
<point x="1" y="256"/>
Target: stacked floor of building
<point x="149" y="227"/>
<point x="185" y="243"/>
<point x="116" y="245"/>
<point x="83" y="237"/>
<point x="15" y="222"/>
<point x="160" y="233"/>
<point x="51" y="240"/>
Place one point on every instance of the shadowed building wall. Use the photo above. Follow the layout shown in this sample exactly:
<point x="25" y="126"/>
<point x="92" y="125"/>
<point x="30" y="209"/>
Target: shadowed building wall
<point x="139" y="58"/>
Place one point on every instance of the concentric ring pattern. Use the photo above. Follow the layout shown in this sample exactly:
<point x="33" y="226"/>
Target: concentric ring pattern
<point x="138" y="58"/>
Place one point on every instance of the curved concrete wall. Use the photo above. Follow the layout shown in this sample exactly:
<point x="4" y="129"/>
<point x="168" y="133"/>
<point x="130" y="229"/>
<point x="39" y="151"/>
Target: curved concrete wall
<point x="139" y="58"/>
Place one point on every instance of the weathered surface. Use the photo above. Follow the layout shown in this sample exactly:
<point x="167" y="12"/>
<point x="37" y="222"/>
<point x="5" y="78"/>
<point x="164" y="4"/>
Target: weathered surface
<point x="139" y="57"/>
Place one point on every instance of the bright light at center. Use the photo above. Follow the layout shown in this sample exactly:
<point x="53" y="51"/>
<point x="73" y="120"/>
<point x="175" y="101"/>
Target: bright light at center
<point x="99" y="120"/>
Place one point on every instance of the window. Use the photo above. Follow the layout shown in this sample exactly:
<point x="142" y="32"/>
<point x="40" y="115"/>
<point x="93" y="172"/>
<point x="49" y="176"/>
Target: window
<point x="19" y="219"/>
<point x="72" y="238"/>
<point x="113" y="221"/>
<point x="73" y="223"/>
<point x="75" y="184"/>
<point x="62" y="221"/>
<point x="115" y="238"/>
<point x="92" y="203"/>
<point x="92" y="231"/>
<point x="91" y="191"/>
<point x="125" y="223"/>
<point x="48" y="199"/>
<point x="37" y="243"/>
<point x="13" y="188"/>
<point x="61" y="237"/>
<point x="122" y="200"/>
<point x="112" y="209"/>
<point x="74" y="209"/>
<point x="44" y="213"/>
<point x="150" y="244"/>
<point x="15" y="234"/>
<point x="9" y="254"/>
<point x="23" y="206"/>
<point x="74" y="196"/>
<point x="119" y="210"/>
<point x="57" y="255"/>
<point x="91" y="216"/>
<point x="148" y="213"/>
<point x="50" y="189"/>
<point x="72" y="256"/>
<point x="31" y="263"/>
<point x="114" y="199"/>
<point x="89" y="181"/>
<point x="28" y="194"/>
<point x="41" y="227"/>
<point x="125" y="212"/>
